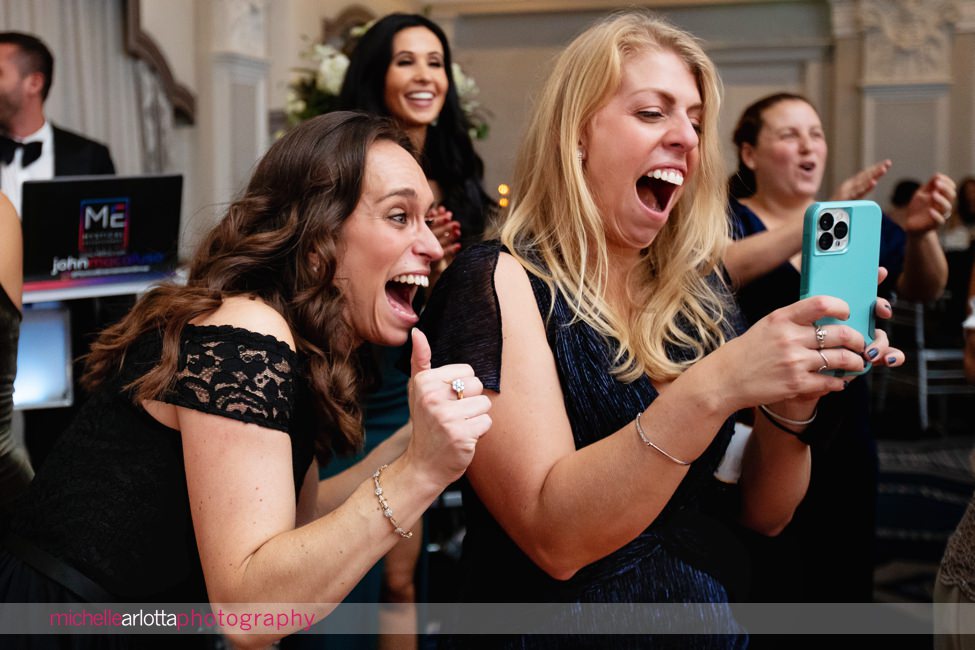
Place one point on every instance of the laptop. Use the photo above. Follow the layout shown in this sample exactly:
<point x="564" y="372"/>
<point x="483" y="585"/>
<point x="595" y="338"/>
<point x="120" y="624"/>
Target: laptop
<point x="84" y="232"/>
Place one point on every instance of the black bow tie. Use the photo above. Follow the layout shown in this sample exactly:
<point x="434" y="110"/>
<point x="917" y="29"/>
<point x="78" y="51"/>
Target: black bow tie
<point x="8" y="147"/>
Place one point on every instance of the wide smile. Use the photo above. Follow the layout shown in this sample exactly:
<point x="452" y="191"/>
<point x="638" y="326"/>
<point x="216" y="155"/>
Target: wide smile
<point x="400" y="292"/>
<point x="420" y="98"/>
<point x="657" y="187"/>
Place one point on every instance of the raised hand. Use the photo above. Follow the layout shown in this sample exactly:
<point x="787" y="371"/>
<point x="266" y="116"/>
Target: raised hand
<point x="447" y="231"/>
<point x="780" y="358"/>
<point x="930" y="206"/>
<point x="448" y="417"/>
<point x="862" y="183"/>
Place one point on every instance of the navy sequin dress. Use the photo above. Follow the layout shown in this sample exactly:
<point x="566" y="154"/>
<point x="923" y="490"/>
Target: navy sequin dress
<point x="679" y="555"/>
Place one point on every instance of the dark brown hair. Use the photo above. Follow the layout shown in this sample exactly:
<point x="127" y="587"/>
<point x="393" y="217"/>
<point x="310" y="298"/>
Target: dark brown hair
<point x="742" y="183"/>
<point x="33" y="57"/>
<point x="299" y="196"/>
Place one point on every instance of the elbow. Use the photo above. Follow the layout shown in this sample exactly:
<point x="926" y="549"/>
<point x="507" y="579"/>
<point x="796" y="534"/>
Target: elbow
<point x="241" y="641"/>
<point x="767" y="526"/>
<point x="553" y="562"/>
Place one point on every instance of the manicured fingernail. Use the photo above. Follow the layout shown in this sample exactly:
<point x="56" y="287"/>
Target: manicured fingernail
<point x="891" y="360"/>
<point x="845" y="384"/>
<point x="873" y="352"/>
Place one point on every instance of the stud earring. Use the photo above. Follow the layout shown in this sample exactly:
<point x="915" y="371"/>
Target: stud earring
<point x="580" y="154"/>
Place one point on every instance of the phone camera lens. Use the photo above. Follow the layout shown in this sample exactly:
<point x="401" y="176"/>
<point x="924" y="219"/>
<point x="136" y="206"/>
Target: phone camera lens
<point x="825" y="221"/>
<point x="840" y="230"/>
<point x="825" y="241"/>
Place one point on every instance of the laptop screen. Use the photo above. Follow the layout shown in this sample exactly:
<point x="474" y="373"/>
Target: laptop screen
<point x="92" y="230"/>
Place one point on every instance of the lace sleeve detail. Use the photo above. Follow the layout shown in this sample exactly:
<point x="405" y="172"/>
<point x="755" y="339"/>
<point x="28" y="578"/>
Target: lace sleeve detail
<point x="235" y="373"/>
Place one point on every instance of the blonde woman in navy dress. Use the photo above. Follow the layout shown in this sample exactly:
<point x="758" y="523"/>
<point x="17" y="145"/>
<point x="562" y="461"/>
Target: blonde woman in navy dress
<point x="605" y="340"/>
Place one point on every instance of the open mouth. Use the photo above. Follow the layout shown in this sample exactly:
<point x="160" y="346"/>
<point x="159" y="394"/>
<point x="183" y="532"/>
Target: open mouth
<point x="401" y="290"/>
<point x="807" y="166"/>
<point x="420" y="96"/>
<point x="656" y="188"/>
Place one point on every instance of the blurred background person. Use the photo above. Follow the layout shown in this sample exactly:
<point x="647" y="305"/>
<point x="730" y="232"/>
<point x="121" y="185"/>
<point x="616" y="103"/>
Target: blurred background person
<point x="958" y="240"/>
<point x="826" y="554"/>
<point x="32" y="148"/>
<point x="402" y="68"/>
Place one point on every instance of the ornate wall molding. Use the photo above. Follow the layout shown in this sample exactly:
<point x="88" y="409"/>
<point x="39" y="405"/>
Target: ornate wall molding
<point x="907" y="41"/>
<point x="141" y="46"/>
<point x="240" y="26"/>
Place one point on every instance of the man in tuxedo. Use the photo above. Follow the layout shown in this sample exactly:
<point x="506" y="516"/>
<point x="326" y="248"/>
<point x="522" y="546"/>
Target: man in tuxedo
<point x="31" y="148"/>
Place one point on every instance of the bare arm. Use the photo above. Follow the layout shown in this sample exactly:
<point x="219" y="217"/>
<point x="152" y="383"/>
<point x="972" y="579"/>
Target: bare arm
<point x="333" y="490"/>
<point x="242" y="494"/>
<point x="925" y="272"/>
<point x="862" y="183"/>
<point x="751" y="257"/>
<point x="776" y="464"/>
<point x="754" y="256"/>
<point x="566" y="508"/>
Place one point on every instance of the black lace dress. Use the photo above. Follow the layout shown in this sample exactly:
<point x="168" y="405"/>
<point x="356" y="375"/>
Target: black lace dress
<point x="108" y="513"/>
<point x="680" y="555"/>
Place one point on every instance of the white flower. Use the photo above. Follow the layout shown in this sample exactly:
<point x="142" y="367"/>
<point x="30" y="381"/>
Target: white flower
<point x="331" y="69"/>
<point x="466" y="87"/>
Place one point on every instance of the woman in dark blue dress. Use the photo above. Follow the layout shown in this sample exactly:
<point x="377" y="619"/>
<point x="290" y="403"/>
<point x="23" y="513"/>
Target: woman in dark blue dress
<point x="605" y="339"/>
<point x="782" y="156"/>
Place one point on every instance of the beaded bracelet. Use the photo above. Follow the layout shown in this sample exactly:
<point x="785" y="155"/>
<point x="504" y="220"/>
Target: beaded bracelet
<point x="387" y="511"/>
<point x="649" y="443"/>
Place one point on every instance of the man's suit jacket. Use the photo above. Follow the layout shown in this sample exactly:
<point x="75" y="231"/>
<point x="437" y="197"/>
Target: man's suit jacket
<point x="75" y="155"/>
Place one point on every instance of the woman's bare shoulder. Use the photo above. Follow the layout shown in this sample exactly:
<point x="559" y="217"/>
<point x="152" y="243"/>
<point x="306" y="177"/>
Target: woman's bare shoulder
<point x="252" y="314"/>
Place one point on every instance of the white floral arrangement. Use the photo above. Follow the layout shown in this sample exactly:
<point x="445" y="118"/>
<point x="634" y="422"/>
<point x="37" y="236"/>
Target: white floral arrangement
<point x="315" y="90"/>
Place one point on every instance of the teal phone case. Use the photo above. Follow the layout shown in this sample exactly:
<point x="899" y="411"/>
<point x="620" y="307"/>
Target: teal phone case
<point x="849" y="274"/>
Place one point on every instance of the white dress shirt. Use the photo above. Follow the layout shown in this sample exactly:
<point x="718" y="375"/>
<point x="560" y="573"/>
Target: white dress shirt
<point x="12" y="176"/>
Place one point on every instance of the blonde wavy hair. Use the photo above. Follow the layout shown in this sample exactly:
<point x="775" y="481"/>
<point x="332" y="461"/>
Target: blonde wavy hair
<point x="555" y="229"/>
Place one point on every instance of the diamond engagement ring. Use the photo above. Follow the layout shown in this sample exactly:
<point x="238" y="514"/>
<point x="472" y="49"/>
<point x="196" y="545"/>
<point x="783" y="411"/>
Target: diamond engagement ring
<point x="458" y="386"/>
<point x="820" y="336"/>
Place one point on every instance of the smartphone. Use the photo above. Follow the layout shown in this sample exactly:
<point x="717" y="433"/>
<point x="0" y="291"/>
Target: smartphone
<point x="840" y="257"/>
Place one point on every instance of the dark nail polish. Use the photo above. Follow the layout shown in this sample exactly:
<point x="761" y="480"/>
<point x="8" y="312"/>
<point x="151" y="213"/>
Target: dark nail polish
<point x="873" y="352"/>
<point x="845" y="384"/>
<point x="891" y="360"/>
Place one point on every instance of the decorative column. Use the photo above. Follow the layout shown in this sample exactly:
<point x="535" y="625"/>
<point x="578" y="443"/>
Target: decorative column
<point x="239" y="72"/>
<point x="894" y="71"/>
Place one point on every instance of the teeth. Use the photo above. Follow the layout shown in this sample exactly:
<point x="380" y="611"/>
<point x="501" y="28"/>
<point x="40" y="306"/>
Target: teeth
<point x="671" y="176"/>
<point x="420" y="95"/>
<point x="409" y="278"/>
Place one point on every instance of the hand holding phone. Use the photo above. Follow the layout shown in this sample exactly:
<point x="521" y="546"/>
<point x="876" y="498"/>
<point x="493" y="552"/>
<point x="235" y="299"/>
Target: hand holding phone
<point x="840" y="257"/>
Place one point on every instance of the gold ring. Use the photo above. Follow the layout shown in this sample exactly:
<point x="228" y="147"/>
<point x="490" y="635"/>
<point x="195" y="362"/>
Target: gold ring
<point x="820" y="336"/>
<point x="458" y="386"/>
<point x="825" y="365"/>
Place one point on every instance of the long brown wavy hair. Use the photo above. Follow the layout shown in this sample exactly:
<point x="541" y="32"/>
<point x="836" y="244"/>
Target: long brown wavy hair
<point x="301" y="193"/>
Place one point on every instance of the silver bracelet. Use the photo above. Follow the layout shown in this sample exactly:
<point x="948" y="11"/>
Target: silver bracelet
<point x="387" y="511"/>
<point x="649" y="443"/>
<point x="785" y="420"/>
